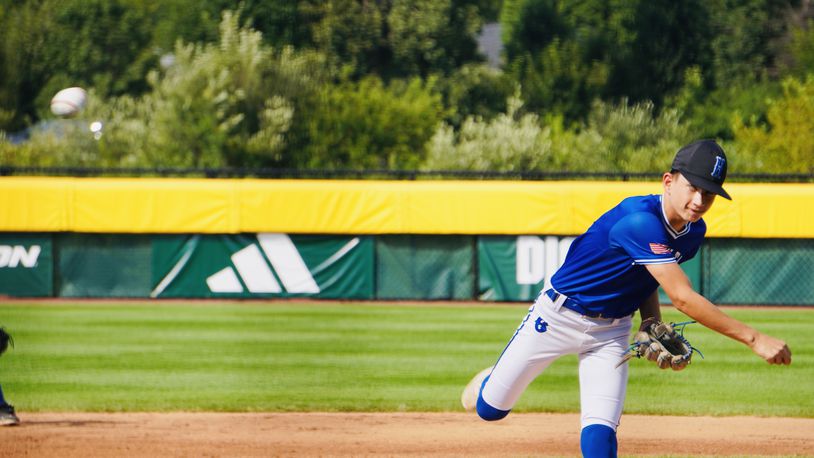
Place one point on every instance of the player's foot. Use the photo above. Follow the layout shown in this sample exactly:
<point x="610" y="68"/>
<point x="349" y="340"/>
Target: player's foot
<point x="7" y="416"/>
<point x="469" y="398"/>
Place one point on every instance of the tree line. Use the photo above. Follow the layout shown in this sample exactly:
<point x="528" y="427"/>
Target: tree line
<point x="595" y="85"/>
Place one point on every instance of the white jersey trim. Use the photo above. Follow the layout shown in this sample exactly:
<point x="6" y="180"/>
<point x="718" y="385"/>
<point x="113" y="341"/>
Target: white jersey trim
<point x="675" y="234"/>
<point x="655" y="261"/>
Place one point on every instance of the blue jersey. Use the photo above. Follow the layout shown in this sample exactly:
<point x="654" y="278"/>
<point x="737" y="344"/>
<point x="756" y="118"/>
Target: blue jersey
<point x="604" y="270"/>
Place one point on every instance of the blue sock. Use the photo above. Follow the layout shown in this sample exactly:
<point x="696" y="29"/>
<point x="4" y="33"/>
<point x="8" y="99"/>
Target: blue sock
<point x="598" y="441"/>
<point x="486" y="411"/>
<point x="2" y="399"/>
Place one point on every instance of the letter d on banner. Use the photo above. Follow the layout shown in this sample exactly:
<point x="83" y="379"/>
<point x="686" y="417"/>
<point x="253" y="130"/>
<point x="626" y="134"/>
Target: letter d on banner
<point x="538" y="259"/>
<point x="530" y="260"/>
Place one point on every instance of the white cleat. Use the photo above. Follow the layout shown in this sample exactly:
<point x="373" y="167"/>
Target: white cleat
<point x="469" y="398"/>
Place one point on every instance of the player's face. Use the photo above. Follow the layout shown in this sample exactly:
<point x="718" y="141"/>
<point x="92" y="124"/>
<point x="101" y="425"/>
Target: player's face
<point x="684" y="201"/>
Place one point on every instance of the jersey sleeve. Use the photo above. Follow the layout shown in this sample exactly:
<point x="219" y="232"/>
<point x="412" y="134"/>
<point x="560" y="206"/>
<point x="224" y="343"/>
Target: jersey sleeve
<point x="643" y="237"/>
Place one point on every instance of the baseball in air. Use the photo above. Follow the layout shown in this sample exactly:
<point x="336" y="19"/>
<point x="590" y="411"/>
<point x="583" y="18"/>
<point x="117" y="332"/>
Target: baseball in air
<point x="69" y="101"/>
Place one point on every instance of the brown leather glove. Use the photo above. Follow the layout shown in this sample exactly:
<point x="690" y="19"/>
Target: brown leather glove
<point x="659" y="342"/>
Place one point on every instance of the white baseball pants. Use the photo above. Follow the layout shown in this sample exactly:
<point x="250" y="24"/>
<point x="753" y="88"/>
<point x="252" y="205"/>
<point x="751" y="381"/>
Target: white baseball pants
<point x="599" y="342"/>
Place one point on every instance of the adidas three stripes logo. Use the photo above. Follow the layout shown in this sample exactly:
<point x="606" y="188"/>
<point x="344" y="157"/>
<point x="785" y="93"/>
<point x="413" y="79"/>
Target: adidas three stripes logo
<point x="250" y="264"/>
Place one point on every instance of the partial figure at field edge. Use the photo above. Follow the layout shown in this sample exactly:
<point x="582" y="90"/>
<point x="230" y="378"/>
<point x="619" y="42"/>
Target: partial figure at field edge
<point x="7" y="415"/>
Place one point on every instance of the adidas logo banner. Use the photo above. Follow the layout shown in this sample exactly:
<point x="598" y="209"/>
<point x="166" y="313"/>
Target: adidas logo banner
<point x="263" y="265"/>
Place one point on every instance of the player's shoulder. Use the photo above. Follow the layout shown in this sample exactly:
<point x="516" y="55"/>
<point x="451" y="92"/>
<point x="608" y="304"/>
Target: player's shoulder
<point x="641" y="209"/>
<point x="644" y="215"/>
<point x="639" y="214"/>
<point x="646" y="203"/>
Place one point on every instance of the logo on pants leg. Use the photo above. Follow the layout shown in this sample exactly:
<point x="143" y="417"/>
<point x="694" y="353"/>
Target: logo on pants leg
<point x="540" y="325"/>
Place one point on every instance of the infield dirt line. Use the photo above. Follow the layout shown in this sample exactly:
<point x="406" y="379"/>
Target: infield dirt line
<point x="389" y="434"/>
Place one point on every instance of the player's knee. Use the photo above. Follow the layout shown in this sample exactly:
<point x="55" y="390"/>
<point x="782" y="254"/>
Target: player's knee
<point x="598" y="441"/>
<point x="486" y="411"/>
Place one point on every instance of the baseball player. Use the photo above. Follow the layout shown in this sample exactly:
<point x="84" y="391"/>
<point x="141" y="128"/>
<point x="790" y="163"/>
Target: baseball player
<point x="610" y="272"/>
<point x="7" y="415"/>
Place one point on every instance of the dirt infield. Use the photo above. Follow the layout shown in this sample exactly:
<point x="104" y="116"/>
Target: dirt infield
<point x="390" y="434"/>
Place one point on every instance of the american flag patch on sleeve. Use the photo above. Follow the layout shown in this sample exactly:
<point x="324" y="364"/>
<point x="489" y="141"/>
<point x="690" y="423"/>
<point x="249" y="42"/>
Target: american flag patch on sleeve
<point x="660" y="248"/>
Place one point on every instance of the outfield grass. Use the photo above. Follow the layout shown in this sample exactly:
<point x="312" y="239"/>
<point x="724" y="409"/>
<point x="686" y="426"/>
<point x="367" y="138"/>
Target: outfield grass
<point x="242" y="357"/>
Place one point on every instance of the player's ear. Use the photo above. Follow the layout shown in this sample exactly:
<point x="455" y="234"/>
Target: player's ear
<point x="667" y="180"/>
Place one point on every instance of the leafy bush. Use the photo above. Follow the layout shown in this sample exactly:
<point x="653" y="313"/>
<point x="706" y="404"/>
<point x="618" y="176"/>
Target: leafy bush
<point x="710" y="113"/>
<point x="56" y="143"/>
<point x="615" y="138"/>
<point x="508" y="142"/>
<point x="626" y="138"/>
<point x="784" y="144"/>
<point x="370" y="125"/>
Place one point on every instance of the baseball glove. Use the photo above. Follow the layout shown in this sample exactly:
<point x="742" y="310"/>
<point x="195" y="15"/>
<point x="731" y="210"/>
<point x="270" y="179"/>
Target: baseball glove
<point x="5" y="340"/>
<point x="661" y="343"/>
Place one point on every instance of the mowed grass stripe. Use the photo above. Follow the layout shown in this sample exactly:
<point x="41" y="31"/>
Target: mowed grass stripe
<point x="247" y="357"/>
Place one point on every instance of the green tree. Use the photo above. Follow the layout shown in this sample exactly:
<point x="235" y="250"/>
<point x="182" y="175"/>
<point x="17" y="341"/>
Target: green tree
<point x="567" y="54"/>
<point x="48" y="45"/>
<point x="784" y="144"/>
<point x="190" y="21"/>
<point x="281" y="23"/>
<point x="489" y="10"/>
<point x="529" y="26"/>
<point x="558" y="81"/>
<point x="432" y="36"/>
<point x="221" y="104"/>
<point x="370" y="125"/>
<point x="800" y="52"/>
<point x="394" y="38"/>
<point x="475" y="90"/>
<point x="709" y="113"/>
<point x="749" y="37"/>
<point x="24" y="69"/>
<point x="651" y="45"/>
<point x="351" y="33"/>
<point x="224" y="104"/>
<point x="750" y="45"/>
<point x="559" y="52"/>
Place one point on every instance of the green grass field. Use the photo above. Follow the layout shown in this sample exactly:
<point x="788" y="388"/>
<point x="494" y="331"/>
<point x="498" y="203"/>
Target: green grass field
<point x="284" y="356"/>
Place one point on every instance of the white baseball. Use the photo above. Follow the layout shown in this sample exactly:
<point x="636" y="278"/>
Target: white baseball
<point x="69" y="101"/>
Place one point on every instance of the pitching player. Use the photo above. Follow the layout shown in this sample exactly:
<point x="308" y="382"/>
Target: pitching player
<point x="610" y="272"/>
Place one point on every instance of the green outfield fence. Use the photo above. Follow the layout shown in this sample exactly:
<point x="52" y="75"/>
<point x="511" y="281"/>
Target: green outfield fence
<point x="388" y="267"/>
